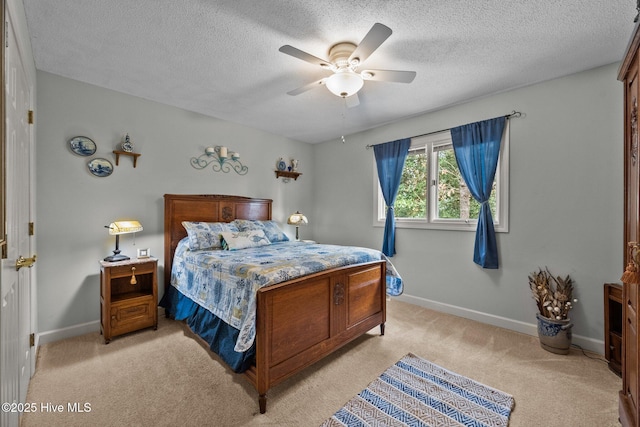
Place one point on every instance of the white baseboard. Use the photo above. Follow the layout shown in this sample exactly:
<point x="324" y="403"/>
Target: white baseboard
<point x="589" y="344"/>
<point x="73" y="331"/>
<point x="68" y="332"/>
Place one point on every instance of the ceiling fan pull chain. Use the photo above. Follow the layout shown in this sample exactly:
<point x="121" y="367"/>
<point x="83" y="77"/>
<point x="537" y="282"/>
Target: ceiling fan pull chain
<point x="344" y="119"/>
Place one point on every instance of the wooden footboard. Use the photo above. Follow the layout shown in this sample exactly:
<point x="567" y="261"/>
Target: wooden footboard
<point x="301" y="321"/>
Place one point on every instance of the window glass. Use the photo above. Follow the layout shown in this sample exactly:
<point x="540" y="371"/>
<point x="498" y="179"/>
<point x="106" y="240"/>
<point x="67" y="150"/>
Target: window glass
<point x="432" y="193"/>
<point x="452" y="196"/>
<point x="411" y="201"/>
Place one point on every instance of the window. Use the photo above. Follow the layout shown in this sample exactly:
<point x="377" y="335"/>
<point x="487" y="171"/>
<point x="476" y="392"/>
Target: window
<point x="432" y="193"/>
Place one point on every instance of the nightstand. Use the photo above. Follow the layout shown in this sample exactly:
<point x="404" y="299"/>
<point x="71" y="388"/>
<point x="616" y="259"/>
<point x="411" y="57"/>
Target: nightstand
<point x="128" y="296"/>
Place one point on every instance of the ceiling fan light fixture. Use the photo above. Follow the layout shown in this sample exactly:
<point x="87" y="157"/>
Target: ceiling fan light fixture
<point x="344" y="83"/>
<point x="344" y="60"/>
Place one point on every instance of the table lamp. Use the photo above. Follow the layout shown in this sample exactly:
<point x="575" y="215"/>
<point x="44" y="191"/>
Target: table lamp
<point x="116" y="229"/>
<point x="297" y="219"/>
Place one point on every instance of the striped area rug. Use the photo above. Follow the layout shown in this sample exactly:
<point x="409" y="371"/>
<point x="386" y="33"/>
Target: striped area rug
<point x="416" y="392"/>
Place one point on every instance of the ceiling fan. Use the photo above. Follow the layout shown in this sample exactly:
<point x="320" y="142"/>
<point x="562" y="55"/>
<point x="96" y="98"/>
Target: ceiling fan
<point x="344" y="60"/>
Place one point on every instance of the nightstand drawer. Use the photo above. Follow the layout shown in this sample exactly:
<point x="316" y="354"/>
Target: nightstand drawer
<point x="127" y="270"/>
<point x="132" y="314"/>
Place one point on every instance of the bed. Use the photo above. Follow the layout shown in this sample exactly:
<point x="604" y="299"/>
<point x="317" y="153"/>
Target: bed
<point x="296" y="321"/>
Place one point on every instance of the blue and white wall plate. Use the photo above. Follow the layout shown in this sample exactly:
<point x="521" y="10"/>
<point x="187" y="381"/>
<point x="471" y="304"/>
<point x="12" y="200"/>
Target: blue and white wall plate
<point x="82" y="146"/>
<point x="100" y="167"/>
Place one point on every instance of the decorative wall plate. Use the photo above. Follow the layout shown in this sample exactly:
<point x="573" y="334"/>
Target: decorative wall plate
<point x="282" y="166"/>
<point x="100" y="167"/>
<point x="82" y="146"/>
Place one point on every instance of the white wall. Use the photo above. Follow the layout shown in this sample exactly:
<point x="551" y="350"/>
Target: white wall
<point x="566" y="195"/>
<point x="73" y="206"/>
<point x="566" y="188"/>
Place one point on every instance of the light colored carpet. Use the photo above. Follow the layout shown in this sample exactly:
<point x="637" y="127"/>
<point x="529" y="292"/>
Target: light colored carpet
<point x="168" y="377"/>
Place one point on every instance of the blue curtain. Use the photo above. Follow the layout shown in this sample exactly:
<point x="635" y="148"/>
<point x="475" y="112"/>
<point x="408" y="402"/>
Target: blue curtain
<point x="477" y="147"/>
<point x="390" y="159"/>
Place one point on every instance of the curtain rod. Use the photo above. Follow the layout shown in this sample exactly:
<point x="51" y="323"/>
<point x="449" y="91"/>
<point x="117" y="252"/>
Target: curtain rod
<point x="514" y="113"/>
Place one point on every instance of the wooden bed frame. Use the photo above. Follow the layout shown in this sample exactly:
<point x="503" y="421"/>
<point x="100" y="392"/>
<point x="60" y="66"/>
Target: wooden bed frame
<point x="300" y="321"/>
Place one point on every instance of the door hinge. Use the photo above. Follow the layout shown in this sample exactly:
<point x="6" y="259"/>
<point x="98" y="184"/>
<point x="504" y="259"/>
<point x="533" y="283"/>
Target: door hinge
<point x="6" y="33"/>
<point x="32" y="229"/>
<point x="30" y="117"/>
<point x="32" y="339"/>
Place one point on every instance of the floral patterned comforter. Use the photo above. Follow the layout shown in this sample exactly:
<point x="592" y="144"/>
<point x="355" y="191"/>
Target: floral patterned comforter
<point x="226" y="282"/>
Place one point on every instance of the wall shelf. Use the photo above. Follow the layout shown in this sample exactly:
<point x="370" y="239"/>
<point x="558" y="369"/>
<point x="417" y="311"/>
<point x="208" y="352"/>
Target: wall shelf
<point x="126" y="153"/>
<point x="287" y="174"/>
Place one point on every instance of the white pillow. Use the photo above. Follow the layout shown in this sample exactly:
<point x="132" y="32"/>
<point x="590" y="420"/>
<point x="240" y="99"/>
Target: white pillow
<point x="232" y="241"/>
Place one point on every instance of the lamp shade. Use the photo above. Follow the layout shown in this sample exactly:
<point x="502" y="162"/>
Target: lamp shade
<point x="297" y="219"/>
<point x="116" y="229"/>
<point x="344" y="83"/>
<point x="124" y="227"/>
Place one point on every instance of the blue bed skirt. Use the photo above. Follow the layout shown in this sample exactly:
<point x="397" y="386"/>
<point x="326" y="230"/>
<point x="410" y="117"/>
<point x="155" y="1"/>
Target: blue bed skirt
<point x="220" y="336"/>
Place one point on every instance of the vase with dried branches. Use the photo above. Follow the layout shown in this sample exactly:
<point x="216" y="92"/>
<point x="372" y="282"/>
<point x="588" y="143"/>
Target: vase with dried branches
<point x="554" y="298"/>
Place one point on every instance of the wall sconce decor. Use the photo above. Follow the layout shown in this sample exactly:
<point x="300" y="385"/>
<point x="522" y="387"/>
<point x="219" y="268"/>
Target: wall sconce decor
<point x="117" y="228"/>
<point x="220" y="159"/>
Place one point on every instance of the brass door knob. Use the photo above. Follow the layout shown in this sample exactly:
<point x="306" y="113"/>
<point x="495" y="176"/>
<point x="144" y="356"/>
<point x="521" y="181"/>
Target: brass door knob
<point x="25" y="262"/>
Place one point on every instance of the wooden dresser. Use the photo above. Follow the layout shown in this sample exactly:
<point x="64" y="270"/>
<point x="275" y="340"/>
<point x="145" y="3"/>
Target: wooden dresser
<point x="628" y="74"/>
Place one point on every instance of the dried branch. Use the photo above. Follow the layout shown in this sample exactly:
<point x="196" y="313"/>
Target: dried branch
<point x="553" y="295"/>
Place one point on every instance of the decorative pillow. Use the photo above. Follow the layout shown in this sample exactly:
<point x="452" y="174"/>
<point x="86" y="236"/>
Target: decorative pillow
<point x="206" y="235"/>
<point x="232" y="240"/>
<point x="270" y="228"/>
<point x="248" y="224"/>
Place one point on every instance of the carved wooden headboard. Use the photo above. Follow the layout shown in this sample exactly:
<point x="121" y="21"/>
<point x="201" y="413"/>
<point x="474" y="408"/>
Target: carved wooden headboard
<point x="206" y="208"/>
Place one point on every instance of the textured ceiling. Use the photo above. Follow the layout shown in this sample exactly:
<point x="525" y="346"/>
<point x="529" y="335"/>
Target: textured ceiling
<point x="221" y="58"/>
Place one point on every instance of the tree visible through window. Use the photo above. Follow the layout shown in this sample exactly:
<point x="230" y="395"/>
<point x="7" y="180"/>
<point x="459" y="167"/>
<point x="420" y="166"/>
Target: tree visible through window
<point x="432" y="193"/>
<point x="453" y="196"/>
<point x="411" y="201"/>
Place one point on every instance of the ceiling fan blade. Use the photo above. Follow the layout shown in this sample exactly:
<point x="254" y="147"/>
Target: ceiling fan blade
<point x="297" y="53"/>
<point x="388" y="75"/>
<point x="306" y="87"/>
<point x="352" y="101"/>
<point x="374" y="38"/>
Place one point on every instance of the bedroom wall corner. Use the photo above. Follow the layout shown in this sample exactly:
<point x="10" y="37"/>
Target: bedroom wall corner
<point x="566" y="205"/>
<point x="73" y="206"/>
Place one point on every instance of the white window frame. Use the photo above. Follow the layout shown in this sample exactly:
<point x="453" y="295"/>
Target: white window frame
<point x="429" y="142"/>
